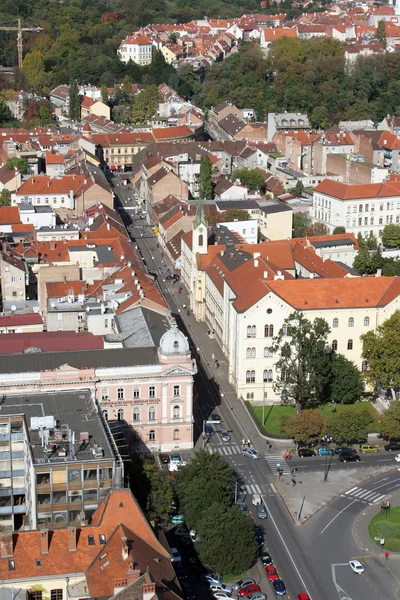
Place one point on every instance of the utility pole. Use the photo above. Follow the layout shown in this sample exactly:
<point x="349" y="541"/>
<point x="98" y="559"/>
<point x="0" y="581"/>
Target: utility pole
<point x="19" y="31"/>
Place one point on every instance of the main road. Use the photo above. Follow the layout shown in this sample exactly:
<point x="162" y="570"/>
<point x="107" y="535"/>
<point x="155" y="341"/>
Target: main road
<point x="312" y="558"/>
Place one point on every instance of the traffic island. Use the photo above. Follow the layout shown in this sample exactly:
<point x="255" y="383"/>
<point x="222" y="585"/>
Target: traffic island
<point x="384" y="528"/>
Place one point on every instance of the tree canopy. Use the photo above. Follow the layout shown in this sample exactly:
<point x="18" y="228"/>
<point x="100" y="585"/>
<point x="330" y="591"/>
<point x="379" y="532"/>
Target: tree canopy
<point x="205" y="185"/>
<point x="306" y="427"/>
<point x="18" y="163"/>
<point x="381" y="350"/>
<point x="254" y="179"/>
<point x="391" y="236"/>
<point x="349" y="426"/>
<point x="300" y="224"/>
<point x="389" y="421"/>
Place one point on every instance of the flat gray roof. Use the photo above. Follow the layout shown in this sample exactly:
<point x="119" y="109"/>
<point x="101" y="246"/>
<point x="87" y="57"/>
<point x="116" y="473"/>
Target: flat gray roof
<point x="143" y="327"/>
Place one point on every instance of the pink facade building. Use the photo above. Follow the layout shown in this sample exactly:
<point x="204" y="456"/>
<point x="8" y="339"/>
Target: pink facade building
<point x="149" y="388"/>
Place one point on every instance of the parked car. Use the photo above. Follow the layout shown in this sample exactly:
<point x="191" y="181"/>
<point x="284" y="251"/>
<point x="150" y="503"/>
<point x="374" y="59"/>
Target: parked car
<point x="257" y="596"/>
<point x="221" y="587"/>
<point x="306" y="452"/>
<point x="324" y="451"/>
<point x="181" y="531"/>
<point x="208" y="429"/>
<point x="266" y="558"/>
<point x="252" y="588"/>
<point x="392" y="446"/>
<point x="221" y="595"/>
<point x="271" y="573"/>
<point x="224" y="435"/>
<point x="176" y="457"/>
<point x="243" y="583"/>
<point x="244" y="508"/>
<point x="259" y="534"/>
<point x="349" y="457"/>
<point x="356" y="567"/>
<point x="279" y="587"/>
<point x="164" y="459"/>
<point x="250" y="452"/>
<point x="340" y="449"/>
<point x="177" y="520"/>
<point x="210" y="578"/>
<point x="303" y="597"/>
<point x="176" y="557"/>
<point x="215" y="417"/>
<point x="261" y="511"/>
<point x="368" y="448"/>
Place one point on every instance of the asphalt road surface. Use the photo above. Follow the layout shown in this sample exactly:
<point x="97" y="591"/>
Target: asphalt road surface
<point x="312" y="558"/>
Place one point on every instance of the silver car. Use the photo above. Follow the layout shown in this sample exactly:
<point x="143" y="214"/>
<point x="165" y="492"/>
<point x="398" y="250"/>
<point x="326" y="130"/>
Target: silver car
<point x="257" y="596"/>
<point x="250" y="452"/>
<point x="220" y="587"/>
<point x="261" y="511"/>
<point x="225" y="437"/>
<point x="243" y="582"/>
<point x="245" y="509"/>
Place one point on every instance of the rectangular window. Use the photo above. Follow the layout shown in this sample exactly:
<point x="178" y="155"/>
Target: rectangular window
<point x="360" y="208"/>
<point x="152" y="391"/>
<point x="360" y="221"/>
<point x="380" y="220"/>
<point x="365" y="220"/>
<point x="56" y="595"/>
<point x="372" y="207"/>
<point x="136" y="393"/>
<point x="37" y="595"/>
<point x="105" y="323"/>
<point x="121" y="393"/>
<point x="177" y="390"/>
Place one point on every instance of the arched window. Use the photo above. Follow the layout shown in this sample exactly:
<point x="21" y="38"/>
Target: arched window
<point x="105" y="414"/>
<point x="366" y="322"/>
<point x="271" y="331"/>
<point x="250" y="376"/>
<point x="253" y="352"/>
<point x="268" y="352"/>
<point x="250" y="396"/>
<point x="266" y="330"/>
<point x="267" y="375"/>
<point x="136" y="414"/>
<point x="254" y="331"/>
<point x="351" y="322"/>
<point x="152" y="413"/>
<point x="176" y="345"/>
<point x="176" y="434"/>
<point x="136" y="392"/>
<point x="334" y="345"/>
<point x="120" y="414"/>
<point x="349" y="344"/>
<point x="201" y="239"/>
<point x="248" y="353"/>
<point x="364" y="366"/>
<point x="176" y="412"/>
<point x="335" y="323"/>
<point x="249" y="331"/>
<point x="152" y="435"/>
<point x="253" y="377"/>
<point x="284" y="329"/>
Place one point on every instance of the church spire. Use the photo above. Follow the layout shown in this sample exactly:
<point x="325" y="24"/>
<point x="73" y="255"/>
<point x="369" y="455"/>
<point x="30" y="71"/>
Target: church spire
<point x="200" y="218"/>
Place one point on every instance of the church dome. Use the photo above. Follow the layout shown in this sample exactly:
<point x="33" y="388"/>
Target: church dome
<point x="174" y="342"/>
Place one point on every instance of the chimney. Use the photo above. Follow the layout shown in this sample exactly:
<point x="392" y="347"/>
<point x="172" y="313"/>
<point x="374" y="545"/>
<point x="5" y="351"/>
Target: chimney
<point x="256" y="254"/>
<point x="149" y="590"/>
<point x="6" y="545"/>
<point x="125" y="548"/>
<point x="108" y="226"/>
<point x="44" y="541"/>
<point x="72" y="539"/>
<point x="255" y="263"/>
<point x="265" y="274"/>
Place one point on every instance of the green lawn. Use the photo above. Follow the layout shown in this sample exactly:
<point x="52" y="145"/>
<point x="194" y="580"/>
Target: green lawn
<point x="387" y="526"/>
<point x="273" y="414"/>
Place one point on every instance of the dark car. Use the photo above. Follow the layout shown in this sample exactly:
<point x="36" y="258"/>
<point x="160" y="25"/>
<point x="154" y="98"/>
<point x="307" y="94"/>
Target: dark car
<point x="305" y="452"/>
<point x="341" y="449"/>
<point x="392" y="446"/>
<point x="259" y="536"/>
<point x="266" y="558"/>
<point x="349" y="457"/>
<point x="164" y="459"/>
<point x="279" y="587"/>
<point x="215" y="417"/>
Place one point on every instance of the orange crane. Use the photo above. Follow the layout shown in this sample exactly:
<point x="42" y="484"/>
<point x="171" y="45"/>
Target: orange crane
<point x="19" y="31"/>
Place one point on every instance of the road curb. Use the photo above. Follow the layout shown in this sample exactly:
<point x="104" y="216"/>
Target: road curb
<point x="372" y="547"/>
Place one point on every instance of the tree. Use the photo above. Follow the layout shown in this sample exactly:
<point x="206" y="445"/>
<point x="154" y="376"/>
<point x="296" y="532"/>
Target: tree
<point x="5" y="197"/>
<point x="160" y="494"/>
<point x="381" y="33"/>
<point x="300" y="224"/>
<point x="381" y="350"/>
<point x="5" y="113"/>
<point x="391" y="236"/>
<point x="365" y="262"/>
<point x="145" y="104"/>
<point x="339" y="229"/>
<point x="235" y="214"/>
<point x="226" y="540"/>
<point x="349" y="426"/>
<point x="34" y="70"/>
<point x="306" y="427"/>
<point x="300" y="351"/>
<point x="344" y="380"/>
<point x="389" y="422"/>
<point x="205" y="185"/>
<point x="18" y="163"/>
<point x="372" y="242"/>
<point x="299" y="187"/>
<point x="172" y="39"/>
<point x="104" y="94"/>
<point x="317" y="229"/>
<point x="253" y="179"/>
<point x="74" y="102"/>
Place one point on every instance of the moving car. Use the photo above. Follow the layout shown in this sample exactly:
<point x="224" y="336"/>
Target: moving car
<point x="368" y="448"/>
<point x="215" y="417"/>
<point x="176" y="557"/>
<point x="244" y="508"/>
<point x="243" y="583"/>
<point x="341" y="449"/>
<point x="279" y="587"/>
<point x="250" y="452"/>
<point x="349" y="457"/>
<point x="224" y="435"/>
<point x="305" y="452"/>
<point x="392" y="446"/>
<point x="323" y="451"/>
<point x="356" y="566"/>
<point x="221" y="587"/>
<point x="208" y="429"/>
<point x="261" y="511"/>
<point x="252" y="588"/>
<point x="210" y="578"/>
<point x="257" y="596"/>
<point x="266" y="558"/>
<point x="271" y="573"/>
<point x="303" y="597"/>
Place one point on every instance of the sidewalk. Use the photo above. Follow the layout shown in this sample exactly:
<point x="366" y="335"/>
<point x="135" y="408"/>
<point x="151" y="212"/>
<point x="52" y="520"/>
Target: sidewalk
<point x="360" y="529"/>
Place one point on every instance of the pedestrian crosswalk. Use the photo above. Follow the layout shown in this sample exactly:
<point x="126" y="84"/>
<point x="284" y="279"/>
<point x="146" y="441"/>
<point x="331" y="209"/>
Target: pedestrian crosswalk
<point x="363" y="495"/>
<point x="224" y="450"/>
<point x="274" y="460"/>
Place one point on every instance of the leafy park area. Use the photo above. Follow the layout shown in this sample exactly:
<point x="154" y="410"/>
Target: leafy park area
<point x="386" y="525"/>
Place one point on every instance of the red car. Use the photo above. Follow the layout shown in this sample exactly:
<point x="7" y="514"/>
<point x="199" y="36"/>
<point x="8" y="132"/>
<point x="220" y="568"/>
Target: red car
<point x="248" y="589"/>
<point x="303" y="597"/>
<point x="271" y="573"/>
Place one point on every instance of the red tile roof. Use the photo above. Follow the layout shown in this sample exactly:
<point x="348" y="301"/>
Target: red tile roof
<point x="306" y="257"/>
<point x="50" y="341"/>
<point x="276" y="33"/>
<point x="9" y="215"/>
<point x="353" y="192"/>
<point x="42" y="184"/>
<point x="166" y="133"/>
<point x="54" y="159"/>
<point x="21" y="320"/>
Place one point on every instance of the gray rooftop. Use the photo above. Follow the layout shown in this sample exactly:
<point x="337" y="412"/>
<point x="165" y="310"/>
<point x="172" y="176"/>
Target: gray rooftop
<point x="332" y="242"/>
<point x="46" y="361"/>
<point x="143" y="327"/>
<point x="245" y="204"/>
<point x="275" y="208"/>
<point x="73" y="412"/>
<point x="27" y="207"/>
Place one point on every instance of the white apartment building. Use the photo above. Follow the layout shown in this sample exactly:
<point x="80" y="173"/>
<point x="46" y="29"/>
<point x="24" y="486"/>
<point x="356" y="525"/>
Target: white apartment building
<point x="364" y="209"/>
<point x="138" y="49"/>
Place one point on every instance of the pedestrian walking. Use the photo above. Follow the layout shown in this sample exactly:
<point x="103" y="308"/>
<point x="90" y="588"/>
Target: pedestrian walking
<point x="269" y="447"/>
<point x="386" y="555"/>
<point x="243" y="442"/>
<point x="293" y="482"/>
<point x="213" y="356"/>
<point x="248" y="443"/>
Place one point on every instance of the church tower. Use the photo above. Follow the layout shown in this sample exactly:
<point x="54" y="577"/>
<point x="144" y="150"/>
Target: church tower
<point x="200" y="225"/>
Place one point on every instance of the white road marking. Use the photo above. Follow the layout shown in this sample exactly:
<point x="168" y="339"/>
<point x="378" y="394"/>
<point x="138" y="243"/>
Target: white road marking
<point x="377" y="499"/>
<point x="341" y="592"/>
<point x="370" y="495"/>
<point x="364" y="493"/>
<point x="358" y="494"/>
<point x="336" y="516"/>
<point x="384" y="479"/>
<point x="352" y="490"/>
<point x="286" y="548"/>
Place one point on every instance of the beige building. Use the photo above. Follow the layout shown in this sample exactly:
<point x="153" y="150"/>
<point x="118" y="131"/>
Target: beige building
<point x="137" y="48"/>
<point x="90" y="106"/>
<point x="14" y="276"/>
<point x="276" y="222"/>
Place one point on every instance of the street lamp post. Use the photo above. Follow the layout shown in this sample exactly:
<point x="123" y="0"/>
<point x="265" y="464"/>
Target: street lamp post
<point x="327" y="438"/>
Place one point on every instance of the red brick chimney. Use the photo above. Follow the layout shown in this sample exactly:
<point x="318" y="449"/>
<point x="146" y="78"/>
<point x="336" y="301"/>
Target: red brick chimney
<point x="44" y="541"/>
<point x="72" y="539"/>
